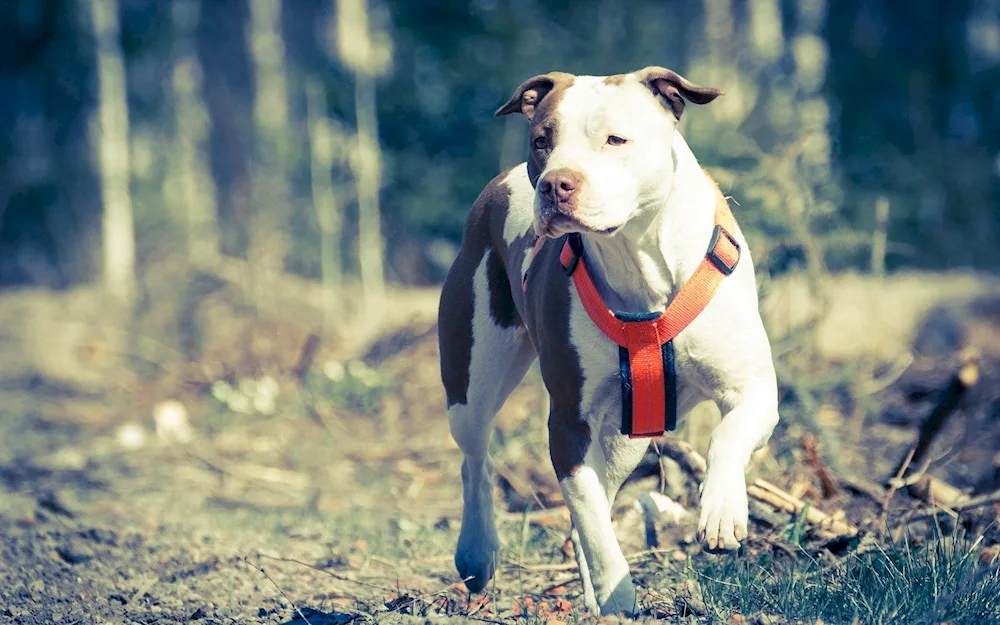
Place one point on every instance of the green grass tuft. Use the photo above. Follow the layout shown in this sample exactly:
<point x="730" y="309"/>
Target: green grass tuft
<point x="941" y="582"/>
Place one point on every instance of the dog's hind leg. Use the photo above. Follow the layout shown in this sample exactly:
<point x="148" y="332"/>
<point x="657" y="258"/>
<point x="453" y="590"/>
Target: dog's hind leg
<point x="485" y="352"/>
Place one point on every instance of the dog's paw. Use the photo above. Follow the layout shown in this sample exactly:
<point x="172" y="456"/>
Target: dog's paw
<point x="476" y="557"/>
<point x="724" y="514"/>
<point x="620" y="601"/>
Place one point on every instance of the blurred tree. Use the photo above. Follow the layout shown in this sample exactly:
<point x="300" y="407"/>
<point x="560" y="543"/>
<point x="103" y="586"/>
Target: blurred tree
<point x="189" y="188"/>
<point x="325" y="142"/>
<point x="110" y="137"/>
<point x="368" y="55"/>
<point x="272" y="157"/>
<point x="828" y="107"/>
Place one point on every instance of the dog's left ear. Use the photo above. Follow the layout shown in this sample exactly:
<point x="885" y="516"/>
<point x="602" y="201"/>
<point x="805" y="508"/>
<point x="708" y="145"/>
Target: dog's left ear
<point x="675" y="89"/>
<point x="527" y="97"/>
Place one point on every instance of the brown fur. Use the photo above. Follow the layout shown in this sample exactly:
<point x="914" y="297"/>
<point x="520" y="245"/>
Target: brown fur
<point x="546" y="302"/>
<point x="456" y="306"/>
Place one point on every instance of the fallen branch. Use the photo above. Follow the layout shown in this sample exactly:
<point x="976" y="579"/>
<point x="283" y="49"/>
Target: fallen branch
<point x="683" y="454"/>
<point x="826" y="525"/>
<point x="954" y="510"/>
<point x="965" y="378"/>
<point x="872" y="490"/>
<point x="936" y="492"/>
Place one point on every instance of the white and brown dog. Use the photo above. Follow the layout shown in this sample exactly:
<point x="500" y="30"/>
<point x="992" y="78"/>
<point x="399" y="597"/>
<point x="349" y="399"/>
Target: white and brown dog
<point x="611" y="182"/>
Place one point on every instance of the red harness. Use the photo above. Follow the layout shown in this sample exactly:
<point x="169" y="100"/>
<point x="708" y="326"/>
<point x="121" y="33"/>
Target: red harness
<point x="645" y="341"/>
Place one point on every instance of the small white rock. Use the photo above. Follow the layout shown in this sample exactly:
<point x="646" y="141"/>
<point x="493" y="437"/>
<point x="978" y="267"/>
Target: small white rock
<point x="664" y="507"/>
<point x="172" y="423"/>
<point x="334" y="370"/>
<point x="131" y="435"/>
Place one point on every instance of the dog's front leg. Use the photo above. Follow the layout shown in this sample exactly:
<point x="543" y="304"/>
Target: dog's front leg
<point x="585" y="489"/>
<point x="750" y="414"/>
<point x="589" y="598"/>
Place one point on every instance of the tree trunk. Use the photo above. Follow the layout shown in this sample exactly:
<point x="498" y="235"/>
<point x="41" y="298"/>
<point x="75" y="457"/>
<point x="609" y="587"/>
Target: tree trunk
<point x="367" y="53"/>
<point x="268" y="243"/>
<point x="370" y="244"/>
<point x="192" y="187"/>
<point x="321" y="149"/>
<point x="111" y="141"/>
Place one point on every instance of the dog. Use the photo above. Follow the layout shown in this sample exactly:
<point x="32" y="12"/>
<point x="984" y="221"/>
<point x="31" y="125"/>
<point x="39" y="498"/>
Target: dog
<point x="610" y="212"/>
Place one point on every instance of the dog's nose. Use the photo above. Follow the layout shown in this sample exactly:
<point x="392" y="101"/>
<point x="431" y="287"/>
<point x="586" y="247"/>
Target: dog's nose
<point x="559" y="186"/>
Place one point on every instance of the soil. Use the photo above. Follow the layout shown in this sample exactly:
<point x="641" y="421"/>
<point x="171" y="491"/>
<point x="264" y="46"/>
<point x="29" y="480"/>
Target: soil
<point x="319" y="511"/>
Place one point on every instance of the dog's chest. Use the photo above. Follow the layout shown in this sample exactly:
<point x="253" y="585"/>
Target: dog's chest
<point x="601" y="382"/>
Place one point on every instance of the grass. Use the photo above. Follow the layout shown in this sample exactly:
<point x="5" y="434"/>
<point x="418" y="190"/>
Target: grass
<point x="942" y="582"/>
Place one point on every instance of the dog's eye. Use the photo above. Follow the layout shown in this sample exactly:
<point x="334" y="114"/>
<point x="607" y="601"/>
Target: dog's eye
<point x="540" y="143"/>
<point x="616" y="140"/>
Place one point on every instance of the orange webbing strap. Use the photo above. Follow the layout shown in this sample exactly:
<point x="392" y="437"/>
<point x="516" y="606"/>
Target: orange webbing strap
<point x="646" y="354"/>
<point x="720" y="260"/>
<point x="646" y="374"/>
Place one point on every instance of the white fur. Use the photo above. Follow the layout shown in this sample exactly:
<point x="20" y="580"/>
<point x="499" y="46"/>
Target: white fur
<point x="662" y="204"/>
<point x="620" y="181"/>
<point x="519" y="212"/>
<point x="522" y="198"/>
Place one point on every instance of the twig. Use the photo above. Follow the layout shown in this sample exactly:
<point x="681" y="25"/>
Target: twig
<point x="543" y="568"/>
<point x="810" y="446"/>
<point x="880" y="235"/>
<point x="934" y="491"/>
<point x="685" y="455"/>
<point x="966" y="377"/>
<point x="872" y="490"/>
<point x="828" y="525"/>
<point x="273" y="476"/>
<point x="958" y="508"/>
<point x="875" y="385"/>
<point x="142" y="590"/>
<point x="894" y="484"/>
<point x="246" y="559"/>
<point x="342" y="578"/>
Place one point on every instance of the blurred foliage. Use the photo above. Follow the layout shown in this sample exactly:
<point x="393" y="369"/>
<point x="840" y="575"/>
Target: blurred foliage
<point x="353" y="385"/>
<point x="828" y="107"/>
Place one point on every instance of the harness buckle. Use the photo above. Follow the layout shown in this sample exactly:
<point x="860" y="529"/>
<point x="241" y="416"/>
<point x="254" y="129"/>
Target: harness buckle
<point x="713" y="256"/>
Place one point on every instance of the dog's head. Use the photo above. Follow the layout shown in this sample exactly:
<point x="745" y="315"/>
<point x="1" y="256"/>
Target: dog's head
<point x="600" y="147"/>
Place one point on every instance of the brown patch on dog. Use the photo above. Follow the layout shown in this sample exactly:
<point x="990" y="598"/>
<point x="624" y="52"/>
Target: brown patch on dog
<point x="617" y="80"/>
<point x="456" y="307"/>
<point x="547" y="305"/>
<point x="502" y="309"/>
<point x="538" y="99"/>
<point x="530" y="94"/>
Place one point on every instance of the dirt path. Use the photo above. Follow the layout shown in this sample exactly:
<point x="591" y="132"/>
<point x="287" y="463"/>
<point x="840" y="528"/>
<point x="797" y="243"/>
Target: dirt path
<point x="339" y="505"/>
<point x="100" y="525"/>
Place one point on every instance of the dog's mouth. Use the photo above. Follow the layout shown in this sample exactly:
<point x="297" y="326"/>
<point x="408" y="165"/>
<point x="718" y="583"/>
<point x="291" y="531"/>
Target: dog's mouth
<point x="561" y="223"/>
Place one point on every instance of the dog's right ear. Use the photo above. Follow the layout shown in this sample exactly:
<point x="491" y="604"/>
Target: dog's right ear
<point x="527" y="97"/>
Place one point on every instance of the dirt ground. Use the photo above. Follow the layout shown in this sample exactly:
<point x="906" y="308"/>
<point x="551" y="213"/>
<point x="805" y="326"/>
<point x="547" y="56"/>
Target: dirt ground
<point x="329" y="503"/>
